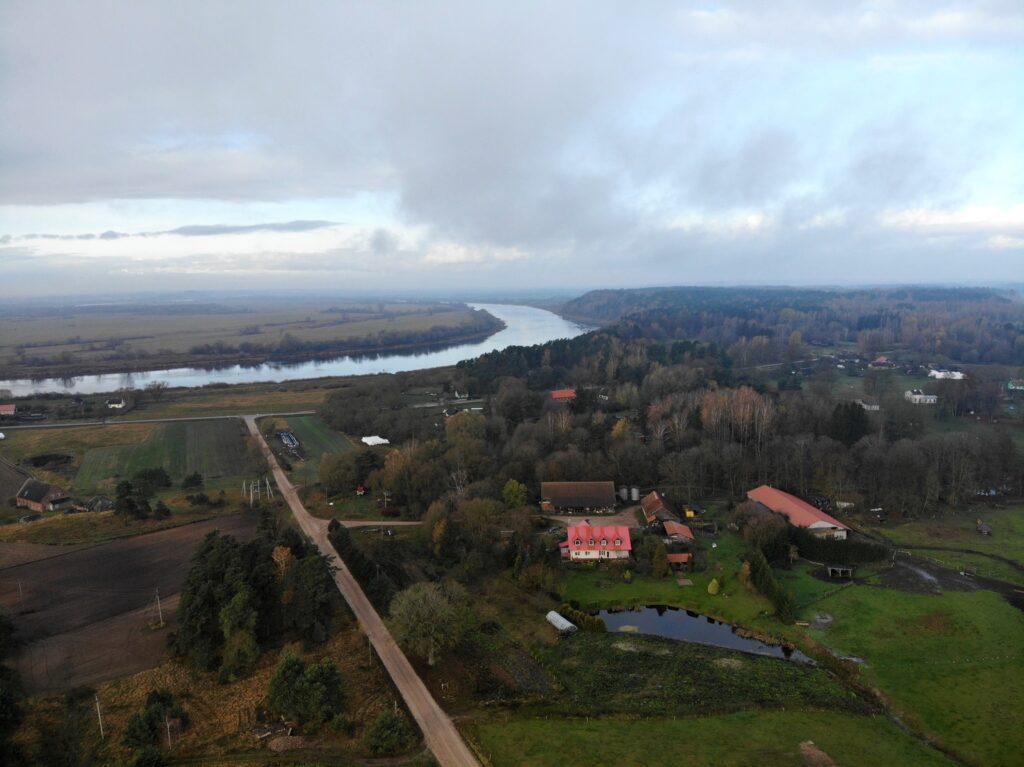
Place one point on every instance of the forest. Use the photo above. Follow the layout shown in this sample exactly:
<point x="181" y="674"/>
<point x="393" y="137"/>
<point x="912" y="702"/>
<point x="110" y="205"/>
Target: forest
<point x="967" y="325"/>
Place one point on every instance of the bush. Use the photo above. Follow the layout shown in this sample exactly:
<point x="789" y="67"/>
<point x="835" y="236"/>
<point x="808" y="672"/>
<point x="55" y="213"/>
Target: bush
<point x="585" y="621"/>
<point x="627" y="576"/>
<point x="713" y="587"/>
<point x="307" y="693"/>
<point x="139" y="731"/>
<point x="390" y="734"/>
<point x="148" y="757"/>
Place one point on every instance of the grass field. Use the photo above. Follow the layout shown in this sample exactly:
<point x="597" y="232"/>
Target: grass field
<point x="317" y="438"/>
<point x="71" y="529"/>
<point x="215" y="449"/>
<point x="766" y="738"/>
<point x="953" y="663"/>
<point x="959" y="531"/>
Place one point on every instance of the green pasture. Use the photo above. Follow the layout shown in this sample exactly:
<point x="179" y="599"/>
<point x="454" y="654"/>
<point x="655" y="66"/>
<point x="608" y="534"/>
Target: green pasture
<point x="951" y="663"/>
<point x="765" y="738"/>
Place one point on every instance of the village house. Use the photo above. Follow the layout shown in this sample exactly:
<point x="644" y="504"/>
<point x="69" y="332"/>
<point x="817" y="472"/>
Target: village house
<point x="42" y="496"/>
<point x="918" y="397"/>
<point x="869" y="404"/>
<point x="1015" y="384"/>
<point x="882" y="362"/>
<point x="656" y="508"/>
<point x="942" y="374"/>
<point x="693" y="510"/>
<point x="798" y="513"/>
<point x="8" y="411"/>
<point x="116" y="403"/>
<point x="585" y="542"/>
<point x="570" y="497"/>
<point x="563" y="395"/>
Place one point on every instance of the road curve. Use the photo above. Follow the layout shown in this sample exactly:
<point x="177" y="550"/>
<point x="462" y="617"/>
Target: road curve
<point x="440" y="734"/>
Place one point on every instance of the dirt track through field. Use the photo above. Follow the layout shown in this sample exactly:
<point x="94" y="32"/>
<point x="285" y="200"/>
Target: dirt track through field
<point x="442" y="738"/>
<point x="83" y="615"/>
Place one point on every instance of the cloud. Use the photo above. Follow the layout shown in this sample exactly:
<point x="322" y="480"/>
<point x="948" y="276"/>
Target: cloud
<point x="563" y="143"/>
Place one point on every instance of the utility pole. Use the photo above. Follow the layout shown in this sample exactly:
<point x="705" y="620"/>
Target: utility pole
<point x="21" y="594"/>
<point x="167" y="724"/>
<point x="99" y="716"/>
<point x="159" y="609"/>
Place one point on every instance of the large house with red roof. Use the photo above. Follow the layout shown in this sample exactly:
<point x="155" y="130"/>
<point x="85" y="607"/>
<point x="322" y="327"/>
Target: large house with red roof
<point x="586" y="542"/>
<point x="798" y="513"/>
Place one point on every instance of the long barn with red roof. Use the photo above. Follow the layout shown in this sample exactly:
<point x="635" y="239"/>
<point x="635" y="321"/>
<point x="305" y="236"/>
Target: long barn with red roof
<point x="798" y="513"/>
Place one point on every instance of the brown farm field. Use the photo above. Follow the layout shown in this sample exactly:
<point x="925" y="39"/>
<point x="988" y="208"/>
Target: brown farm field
<point x="83" y="614"/>
<point x="56" y="341"/>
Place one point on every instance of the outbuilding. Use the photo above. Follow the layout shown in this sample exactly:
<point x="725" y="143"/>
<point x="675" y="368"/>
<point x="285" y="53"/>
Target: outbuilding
<point x="561" y="625"/>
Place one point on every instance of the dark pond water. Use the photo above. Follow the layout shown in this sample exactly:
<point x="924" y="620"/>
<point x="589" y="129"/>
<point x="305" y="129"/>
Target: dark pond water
<point x="524" y="326"/>
<point x="689" y="626"/>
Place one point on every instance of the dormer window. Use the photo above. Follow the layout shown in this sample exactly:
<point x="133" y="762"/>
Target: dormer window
<point x="590" y="542"/>
<point x="604" y="541"/>
<point x="618" y="541"/>
<point x="577" y="542"/>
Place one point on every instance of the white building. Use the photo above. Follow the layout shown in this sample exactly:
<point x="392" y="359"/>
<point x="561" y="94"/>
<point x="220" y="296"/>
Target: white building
<point x="918" y="397"/>
<point x="942" y="374"/>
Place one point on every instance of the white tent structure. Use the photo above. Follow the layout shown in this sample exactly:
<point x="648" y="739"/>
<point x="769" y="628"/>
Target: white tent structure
<point x="375" y="441"/>
<point x="560" y="623"/>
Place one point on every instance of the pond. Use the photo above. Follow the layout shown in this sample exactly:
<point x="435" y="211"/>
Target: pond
<point x="524" y="326"/>
<point x="688" y="626"/>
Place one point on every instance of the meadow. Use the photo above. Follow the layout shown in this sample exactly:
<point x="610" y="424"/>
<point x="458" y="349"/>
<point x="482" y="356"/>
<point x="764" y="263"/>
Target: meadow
<point x="766" y="738"/>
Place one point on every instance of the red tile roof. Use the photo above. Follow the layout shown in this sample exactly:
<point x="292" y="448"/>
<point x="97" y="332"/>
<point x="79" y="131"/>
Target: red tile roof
<point x="676" y="528"/>
<point x="678" y="559"/>
<point x="607" y="533"/>
<point x="8" y="409"/>
<point x="560" y="395"/>
<point x="799" y="513"/>
<point x="651" y="503"/>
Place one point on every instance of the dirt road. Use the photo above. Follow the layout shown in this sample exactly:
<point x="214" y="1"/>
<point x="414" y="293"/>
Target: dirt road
<point x="442" y="738"/>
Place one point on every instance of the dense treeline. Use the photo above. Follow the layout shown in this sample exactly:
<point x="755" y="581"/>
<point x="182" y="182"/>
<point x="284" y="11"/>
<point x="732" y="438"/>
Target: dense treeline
<point x="238" y="597"/>
<point x="673" y="414"/>
<point x="761" y="325"/>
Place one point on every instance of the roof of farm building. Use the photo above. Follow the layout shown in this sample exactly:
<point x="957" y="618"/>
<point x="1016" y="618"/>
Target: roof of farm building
<point x="798" y="512"/>
<point x="676" y="528"/>
<point x="38" y="492"/>
<point x="579" y="494"/>
<point x="563" y="394"/>
<point x="8" y="409"/>
<point x="601" y="538"/>
<point x="678" y="559"/>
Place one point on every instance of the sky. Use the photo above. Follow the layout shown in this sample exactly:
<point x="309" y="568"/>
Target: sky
<point x="425" y="146"/>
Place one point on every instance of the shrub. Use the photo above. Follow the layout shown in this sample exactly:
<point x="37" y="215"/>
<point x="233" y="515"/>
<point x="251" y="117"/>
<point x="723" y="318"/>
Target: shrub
<point x="139" y="731"/>
<point x="713" y="587"/>
<point x="390" y="734"/>
<point x="148" y="757"/>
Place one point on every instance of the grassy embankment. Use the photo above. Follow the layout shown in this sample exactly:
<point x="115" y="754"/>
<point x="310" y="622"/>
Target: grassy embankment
<point x="94" y="459"/>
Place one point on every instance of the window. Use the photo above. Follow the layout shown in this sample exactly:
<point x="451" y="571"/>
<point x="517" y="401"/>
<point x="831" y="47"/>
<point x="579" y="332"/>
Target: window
<point x="590" y="542"/>
<point x="618" y="541"/>
<point x="577" y="542"/>
<point x="604" y="541"/>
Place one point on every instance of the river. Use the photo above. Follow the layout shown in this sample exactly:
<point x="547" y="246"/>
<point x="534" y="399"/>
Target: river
<point x="524" y="326"/>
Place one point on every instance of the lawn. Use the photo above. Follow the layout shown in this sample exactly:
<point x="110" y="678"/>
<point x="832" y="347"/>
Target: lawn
<point x="767" y="738"/>
<point x="735" y="603"/>
<point x="317" y="438"/>
<point x="953" y="664"/>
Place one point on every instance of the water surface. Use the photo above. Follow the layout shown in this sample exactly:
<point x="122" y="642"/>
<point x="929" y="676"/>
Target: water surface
<point x="689" y="626"/>
<point x="524" y="326"/>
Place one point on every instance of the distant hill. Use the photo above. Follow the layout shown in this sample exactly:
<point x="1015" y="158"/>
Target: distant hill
<point x="607" y="306"/>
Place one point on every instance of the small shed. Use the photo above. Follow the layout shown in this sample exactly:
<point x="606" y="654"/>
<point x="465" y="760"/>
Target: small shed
<point x="563" y="626"/>
<point x="679" y="561"/>
<point x="839" y="571"/>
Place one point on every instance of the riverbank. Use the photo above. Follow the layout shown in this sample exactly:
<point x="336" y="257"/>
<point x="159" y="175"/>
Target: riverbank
<point x="519" y="326"/>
